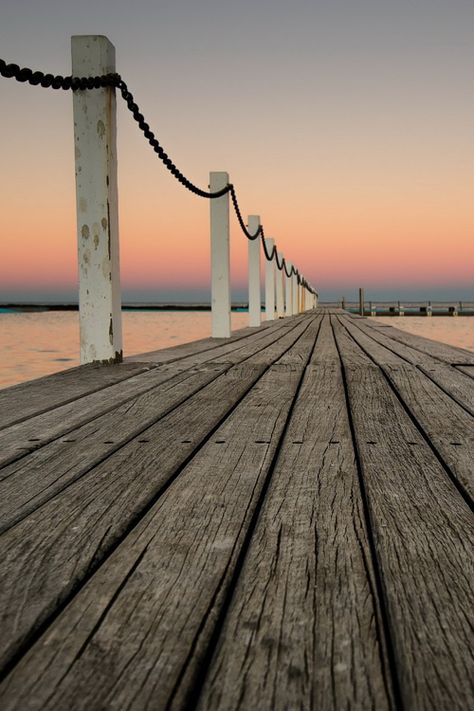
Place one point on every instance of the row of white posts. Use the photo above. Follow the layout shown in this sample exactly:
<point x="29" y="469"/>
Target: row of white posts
<point x="97" y="225"/>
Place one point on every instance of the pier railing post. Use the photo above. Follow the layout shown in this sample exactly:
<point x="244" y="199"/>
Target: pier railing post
<point x="255" y="305"/>
<point x="97" y="203"/>
<point x="220" y="257"/>
<point x="361" y="302"/>
<point x="288" y="292"/>
<point x="269" y="283"/>
<point x="294" y="280"/>
<point x="280" y="304"/>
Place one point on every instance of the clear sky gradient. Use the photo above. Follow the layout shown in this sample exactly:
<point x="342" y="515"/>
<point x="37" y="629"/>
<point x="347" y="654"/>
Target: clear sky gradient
<point x="346" y="124"/>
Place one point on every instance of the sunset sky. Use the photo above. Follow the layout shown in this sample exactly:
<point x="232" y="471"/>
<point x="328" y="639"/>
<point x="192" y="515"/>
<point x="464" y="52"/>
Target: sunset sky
<point x="346" y="124"/>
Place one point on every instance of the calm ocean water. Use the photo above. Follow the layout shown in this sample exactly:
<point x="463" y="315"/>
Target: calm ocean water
<point x="36" y="344"/>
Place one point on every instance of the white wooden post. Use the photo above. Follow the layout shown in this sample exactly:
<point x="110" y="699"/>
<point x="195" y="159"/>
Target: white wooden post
<point x="220" y="257"/>
<point x="280" y="305"/>
<point x="288" y="292"/>
<point x="255" y="306"/>
<point x="269" y="283"/>
<point x="94" y="114"/>
<point x="294" y="280"/>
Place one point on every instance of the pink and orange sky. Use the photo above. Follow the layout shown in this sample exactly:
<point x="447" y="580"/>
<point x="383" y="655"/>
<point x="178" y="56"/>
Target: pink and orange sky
<point x="347" y="125"/>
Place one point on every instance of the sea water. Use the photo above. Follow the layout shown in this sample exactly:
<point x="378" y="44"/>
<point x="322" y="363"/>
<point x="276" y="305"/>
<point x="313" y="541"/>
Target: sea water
<point x="40" y="343"/>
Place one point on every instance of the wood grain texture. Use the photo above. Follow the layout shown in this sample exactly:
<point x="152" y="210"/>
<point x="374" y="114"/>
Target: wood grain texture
<point x="18" y="440"/>
<point x="302" y="629"/>
<point x="33" y="433"/>
<point x="51" y="551"/>
<point x="449" y="378"/>
<point x="136" y="634"/>
<point x="28" y="399"/>
<point x="448" y="427"/>
<point x="467" y="370"/>
<point x="441" y="351"/>
<point x="423" y="537"/>
<point x="34" y="479"/>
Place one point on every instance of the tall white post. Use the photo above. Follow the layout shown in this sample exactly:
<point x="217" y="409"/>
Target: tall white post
<point x="97" y="203"/>
<point x="294" y="280"/>
<point x="255" y="306"/>
<point x="220" y="257"/>
<point x="269" y="283"/>
<point x="280" y="304"/>
<point x="288" y="292"/>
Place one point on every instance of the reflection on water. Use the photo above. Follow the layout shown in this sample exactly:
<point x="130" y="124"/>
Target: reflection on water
<point x="455" y="330"/>
<point x="36" y="344"/>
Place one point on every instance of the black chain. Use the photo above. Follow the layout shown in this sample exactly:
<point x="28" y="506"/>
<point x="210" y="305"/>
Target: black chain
<point x="37" y="78"/>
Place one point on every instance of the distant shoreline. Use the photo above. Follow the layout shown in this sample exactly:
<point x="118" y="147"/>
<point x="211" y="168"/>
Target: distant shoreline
<point x="35" y="308"/>
<point x="14" y="307"/>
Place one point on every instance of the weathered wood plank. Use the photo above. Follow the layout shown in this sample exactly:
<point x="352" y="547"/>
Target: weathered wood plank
<point x="441" y="351"/>
<point x="448" y="427"/>
<point x="25" y="400"/>
<point x="423" y="537"/>
<point x="35" y="432"/>
<point x="36" y="478"/>
<point x="446" y="376"/>
<point x="466" y="369"/>
<point x="32" y="480"/>
<point x="302" y="628"/>
<point x="170" y="575"/>
<point x="19" y="402"/>
<point x="51" y="551"/>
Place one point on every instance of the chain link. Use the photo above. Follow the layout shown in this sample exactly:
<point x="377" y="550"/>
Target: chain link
<point x="37" y="78"/>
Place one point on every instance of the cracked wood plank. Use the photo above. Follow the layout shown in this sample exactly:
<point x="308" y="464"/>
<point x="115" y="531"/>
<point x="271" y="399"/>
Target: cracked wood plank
<point x="35" y="478"/>
<point x="448" y="427"/>
<point x="35" y="432"/>
<point x="446" y="376"/>
<point x="303" y="628"/>
<point x="140" y="628"/>
<point x="438" y="350"/>
<point x="25" y="400"/>
<point x="423" y="536"/>
<point x="52" y="550"/>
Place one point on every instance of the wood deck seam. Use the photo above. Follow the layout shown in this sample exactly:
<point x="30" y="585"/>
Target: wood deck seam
<point x="147" y="426"/>
<point x="145" y="367"/>
<point x="35" y="634"/>
<point x="451" y="475"/>
<point x="383" y="607"/>
<point x="194" y="692"/>
<point x="224" y="367"/>
<point x="418" y="366"/>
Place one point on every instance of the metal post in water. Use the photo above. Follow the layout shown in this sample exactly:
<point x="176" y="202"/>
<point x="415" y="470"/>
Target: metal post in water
<point x="220" y="257"/>
<point x="94" y="112"/>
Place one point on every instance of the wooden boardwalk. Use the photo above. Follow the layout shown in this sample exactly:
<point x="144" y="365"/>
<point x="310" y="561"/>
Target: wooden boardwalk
<point x="281" y="520"/>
